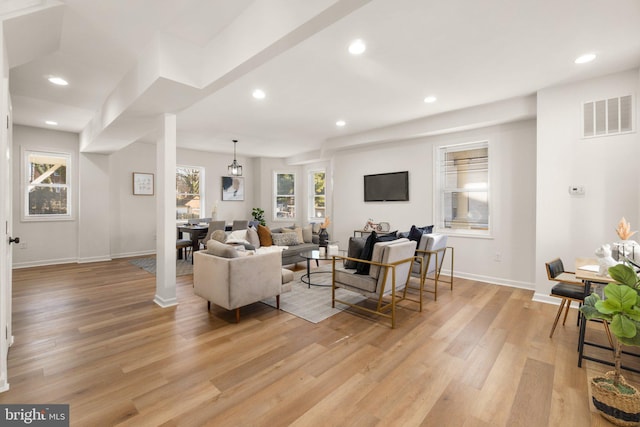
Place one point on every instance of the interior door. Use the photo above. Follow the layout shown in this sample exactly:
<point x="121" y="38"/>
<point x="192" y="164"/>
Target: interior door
<point x="6" y="194"/>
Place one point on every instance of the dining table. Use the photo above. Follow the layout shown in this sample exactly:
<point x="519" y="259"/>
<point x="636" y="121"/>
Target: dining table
<point x="587" y="271"/>
<point x="196" y="232"/>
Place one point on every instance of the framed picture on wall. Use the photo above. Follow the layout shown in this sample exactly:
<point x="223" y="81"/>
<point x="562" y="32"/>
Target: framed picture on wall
<point x="232" y="188"/>
<point x="142" y="184"/>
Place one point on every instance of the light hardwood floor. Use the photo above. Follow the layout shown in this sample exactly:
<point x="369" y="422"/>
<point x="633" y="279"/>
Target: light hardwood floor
<point x="90" y="335"/>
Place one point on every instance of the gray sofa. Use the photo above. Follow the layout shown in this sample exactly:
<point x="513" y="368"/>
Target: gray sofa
<point x="291" y="255"/>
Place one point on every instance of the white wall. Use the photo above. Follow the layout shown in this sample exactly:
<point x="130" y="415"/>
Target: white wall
<point x="533" y="164"/>
<point x="215" y="165"/>
<point x="570" y="227"/>
<point x="44" y="242"/>
<point x="94" y="215"/>
<point x="512" y="152"/>
<point x="109" y="221"/>
<point x="132" y="218"/>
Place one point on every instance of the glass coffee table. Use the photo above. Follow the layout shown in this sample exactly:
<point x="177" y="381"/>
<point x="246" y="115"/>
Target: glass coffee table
<point x="315" y="255"/>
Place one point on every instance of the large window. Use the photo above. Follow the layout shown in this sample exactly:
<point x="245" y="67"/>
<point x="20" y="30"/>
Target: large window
<point x="189" y="192"/>
<point x="463" y="189"/>
<point x="317" y="192"/>
<point x="285" y="196"/>
<point x="47" y="189"/>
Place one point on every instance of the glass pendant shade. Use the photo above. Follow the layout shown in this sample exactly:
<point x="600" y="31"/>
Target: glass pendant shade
<point x="234" y="169"/>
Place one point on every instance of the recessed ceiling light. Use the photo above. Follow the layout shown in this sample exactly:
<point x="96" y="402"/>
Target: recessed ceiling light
<point x="58" y="81"/>
<point x="587" y="57"/>
<point x="429" y="99"/>
<point x="341" y="123"/>
<point x="259" y="94"/>
<point x="51" y="122"/>
<point x="357" y="47"/>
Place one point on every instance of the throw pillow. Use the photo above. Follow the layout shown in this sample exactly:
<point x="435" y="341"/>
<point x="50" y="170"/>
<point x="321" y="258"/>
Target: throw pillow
<point x="238" y="235"/>
<point x="391" y="235"/>
<point x="219" y="236"/>
<point x="415" y="234"/>
<point x="427" y="229"/>
<point x="307" y="234"/>
<point x="253" y="238"/>
<point x="221" y="250"/>
<point x="355" y="249"/>
<point x="285" y="239"/>
<point x="298" y="231"/>
<point x="265" y="235"/>
<point x="315" y="227"/>
<point x="367" y="251"/>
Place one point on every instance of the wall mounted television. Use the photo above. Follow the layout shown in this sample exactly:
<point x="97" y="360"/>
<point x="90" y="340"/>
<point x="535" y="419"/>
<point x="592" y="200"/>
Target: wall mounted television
<point x="387" y="187"/>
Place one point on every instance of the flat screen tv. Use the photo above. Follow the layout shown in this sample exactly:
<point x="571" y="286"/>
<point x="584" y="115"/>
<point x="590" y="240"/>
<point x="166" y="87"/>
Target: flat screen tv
<point x="387" y="187"/>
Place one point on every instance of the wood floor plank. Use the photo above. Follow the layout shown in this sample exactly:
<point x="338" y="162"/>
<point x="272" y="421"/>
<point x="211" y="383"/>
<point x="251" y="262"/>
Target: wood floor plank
<point x="532" y="403"/>
<point x="90" y="335"/>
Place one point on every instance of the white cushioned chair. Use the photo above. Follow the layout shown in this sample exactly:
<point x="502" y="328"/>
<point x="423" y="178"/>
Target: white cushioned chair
<point x="389" y="272"/>
<point x="223" y="277"/>
<point x="432" y="249"/>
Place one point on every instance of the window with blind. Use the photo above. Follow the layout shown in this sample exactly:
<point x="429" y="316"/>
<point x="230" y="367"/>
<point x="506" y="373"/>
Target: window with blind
<point x="463" y="189"/>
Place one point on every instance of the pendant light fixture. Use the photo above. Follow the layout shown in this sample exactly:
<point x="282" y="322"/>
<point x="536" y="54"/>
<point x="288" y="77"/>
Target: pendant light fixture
<point x="234" y="168"/>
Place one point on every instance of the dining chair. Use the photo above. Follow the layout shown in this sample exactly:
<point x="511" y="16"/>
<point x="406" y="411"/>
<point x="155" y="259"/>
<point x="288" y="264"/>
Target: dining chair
<point x="240" y="224"/>
<point x="568" y="288"/>
<point x="213" y="226"/>
<point x="183" y="246"/>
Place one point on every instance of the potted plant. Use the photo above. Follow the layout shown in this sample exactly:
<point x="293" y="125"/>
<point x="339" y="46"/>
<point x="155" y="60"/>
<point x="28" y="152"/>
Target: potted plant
<point x="616" y="400"/>
<point x="258" y="215"/>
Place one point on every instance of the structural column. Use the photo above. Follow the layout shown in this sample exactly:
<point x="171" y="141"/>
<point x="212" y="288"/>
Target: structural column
<point x="166" y="213"/>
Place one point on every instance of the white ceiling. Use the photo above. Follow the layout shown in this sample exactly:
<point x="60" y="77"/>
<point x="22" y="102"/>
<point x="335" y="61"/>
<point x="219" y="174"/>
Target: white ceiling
<point x="127" y="61"/>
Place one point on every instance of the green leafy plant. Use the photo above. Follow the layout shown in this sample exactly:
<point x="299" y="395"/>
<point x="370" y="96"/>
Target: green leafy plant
<point x="258" y="215"/>
<point x="620" y="309"/>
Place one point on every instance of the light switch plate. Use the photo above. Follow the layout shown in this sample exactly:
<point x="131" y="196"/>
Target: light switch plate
<point x="576" y="190"/>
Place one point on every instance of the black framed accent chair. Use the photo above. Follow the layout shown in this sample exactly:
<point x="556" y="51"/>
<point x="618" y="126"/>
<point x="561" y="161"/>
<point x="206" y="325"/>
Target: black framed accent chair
<point x="567" y="288"/>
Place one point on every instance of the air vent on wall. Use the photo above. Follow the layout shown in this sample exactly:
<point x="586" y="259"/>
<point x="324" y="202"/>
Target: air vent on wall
<point x="607" y="117"/>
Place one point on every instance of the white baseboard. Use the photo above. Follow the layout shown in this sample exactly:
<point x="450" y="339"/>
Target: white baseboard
<point x="548" y="299"/>
<point x="165" y="303"/>
<point x="93" y="259"/>
<point x="42" y="263"/>
<point x="133" y="254"/>
<point x="492" y="280"/>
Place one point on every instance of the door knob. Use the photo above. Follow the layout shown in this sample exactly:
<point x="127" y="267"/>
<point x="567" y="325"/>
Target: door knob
<point x="16" y="240"/>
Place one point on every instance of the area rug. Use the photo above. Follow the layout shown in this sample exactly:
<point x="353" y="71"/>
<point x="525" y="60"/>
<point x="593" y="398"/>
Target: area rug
<point x="183" y="266"/>
<point x="313" y="304"/>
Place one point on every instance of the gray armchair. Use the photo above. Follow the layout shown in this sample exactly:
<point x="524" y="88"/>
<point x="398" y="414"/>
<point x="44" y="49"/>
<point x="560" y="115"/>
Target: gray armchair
<point x="389" y="273"/>
<point x="231" y="281"/>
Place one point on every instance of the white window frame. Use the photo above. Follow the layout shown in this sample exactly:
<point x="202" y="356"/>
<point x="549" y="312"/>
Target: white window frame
<point x="439" y="191"/>
<point x="275" y="196"/>
<point x="26" y="186"/>
<point x="312" y="194"/>
<point x="201" y="172"/>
